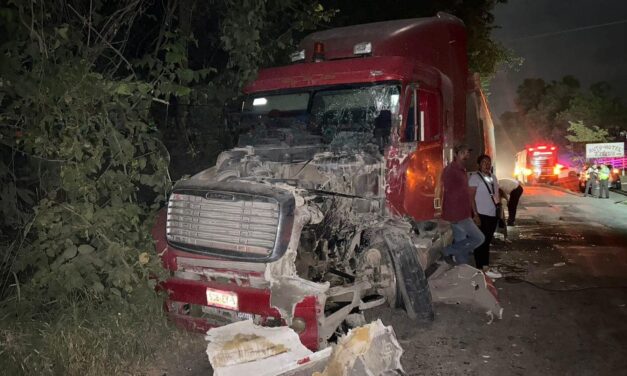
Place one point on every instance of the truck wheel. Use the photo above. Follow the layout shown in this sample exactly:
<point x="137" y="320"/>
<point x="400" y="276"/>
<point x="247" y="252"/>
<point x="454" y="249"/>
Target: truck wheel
<point x="412" y="285"/>
<point x="376" y="261"/>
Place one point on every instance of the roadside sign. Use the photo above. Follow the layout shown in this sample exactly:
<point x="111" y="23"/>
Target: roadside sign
<point x="605" y="150"/>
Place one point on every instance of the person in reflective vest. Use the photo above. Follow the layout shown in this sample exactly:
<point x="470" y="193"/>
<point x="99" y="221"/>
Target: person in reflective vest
<point x="604" y="179"/>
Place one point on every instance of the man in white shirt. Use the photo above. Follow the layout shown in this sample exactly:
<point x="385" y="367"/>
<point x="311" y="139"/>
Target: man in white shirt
<point x="511" y="190"/>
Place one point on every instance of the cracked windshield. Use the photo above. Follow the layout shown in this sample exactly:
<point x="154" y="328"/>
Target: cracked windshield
<point x="346" y="118"/>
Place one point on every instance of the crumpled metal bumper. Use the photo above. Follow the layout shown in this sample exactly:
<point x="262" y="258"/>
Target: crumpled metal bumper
<point x="466" y="285"/>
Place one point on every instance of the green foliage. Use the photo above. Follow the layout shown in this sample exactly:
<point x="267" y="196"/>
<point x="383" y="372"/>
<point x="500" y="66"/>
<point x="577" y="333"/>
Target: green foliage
<point x="549" y="111"/>
<point x="265" y="33"/>
<point x="597" y="108"/>
<point x="530" y="94"/>
<point x="99" y="163"/>
<point x="579" y="132"/>
<point x="484" y="53"/>
<point x="88" y="90"/>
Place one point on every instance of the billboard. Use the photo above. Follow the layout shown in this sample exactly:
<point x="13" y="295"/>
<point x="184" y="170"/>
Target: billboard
<point x="606" y="150"/>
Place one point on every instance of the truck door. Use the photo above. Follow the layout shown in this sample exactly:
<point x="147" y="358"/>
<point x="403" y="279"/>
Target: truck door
<point x="420" y="155"/>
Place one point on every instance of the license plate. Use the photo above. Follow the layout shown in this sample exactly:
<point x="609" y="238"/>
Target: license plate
<point x="222" y="299"/>
<point x="245" y="316"/>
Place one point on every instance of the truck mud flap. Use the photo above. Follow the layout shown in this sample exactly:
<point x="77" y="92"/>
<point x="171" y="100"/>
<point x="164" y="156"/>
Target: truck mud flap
<point x="412" y="283"/>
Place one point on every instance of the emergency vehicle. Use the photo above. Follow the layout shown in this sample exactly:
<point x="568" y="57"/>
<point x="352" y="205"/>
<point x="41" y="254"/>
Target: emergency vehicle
<point x="537" y="164"/>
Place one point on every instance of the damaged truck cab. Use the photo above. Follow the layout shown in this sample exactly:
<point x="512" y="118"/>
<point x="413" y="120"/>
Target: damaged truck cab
<point x="329" y="204"/>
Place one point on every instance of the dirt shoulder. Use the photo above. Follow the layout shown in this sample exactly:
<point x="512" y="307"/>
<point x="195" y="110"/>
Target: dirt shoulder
<point x="542" y="332"/>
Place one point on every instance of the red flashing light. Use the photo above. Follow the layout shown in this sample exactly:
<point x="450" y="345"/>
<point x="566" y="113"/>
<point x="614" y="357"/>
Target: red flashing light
<point x="552" y="147"/>
<point x="530" y="149"/>
<point x="318" y="53"/>
<point x="541" y="147"/>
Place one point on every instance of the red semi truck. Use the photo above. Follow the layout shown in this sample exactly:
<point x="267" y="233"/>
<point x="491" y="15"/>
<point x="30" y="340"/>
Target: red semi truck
<point x="329" y="204"/>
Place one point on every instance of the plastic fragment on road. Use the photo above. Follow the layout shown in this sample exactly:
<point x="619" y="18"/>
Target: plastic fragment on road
<point x="243" y="348"/>
<point x="559" y="264"/>
<point x="369" y="350"/>
<point x="466" y="285"/>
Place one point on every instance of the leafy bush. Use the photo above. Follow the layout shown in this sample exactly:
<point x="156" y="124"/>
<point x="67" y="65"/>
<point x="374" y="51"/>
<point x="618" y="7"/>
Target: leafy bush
<point x="88" y="93"/>
<point x="97" y="160"/>
<point x="83" y="85"/>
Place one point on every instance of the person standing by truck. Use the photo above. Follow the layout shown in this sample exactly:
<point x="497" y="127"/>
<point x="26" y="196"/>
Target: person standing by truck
<point x="484" y="187"/>
<point x="604" y="179"/>
<point x="511" y="189"/>
<point x="457" y="208"/>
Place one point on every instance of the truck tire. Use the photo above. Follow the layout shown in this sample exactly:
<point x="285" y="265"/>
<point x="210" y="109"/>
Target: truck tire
<point x="374" y="259"/>
<point x="412" y="285"/>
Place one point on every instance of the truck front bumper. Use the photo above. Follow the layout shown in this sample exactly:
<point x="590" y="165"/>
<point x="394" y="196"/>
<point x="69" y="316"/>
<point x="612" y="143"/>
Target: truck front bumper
<point x="187" y="305"/>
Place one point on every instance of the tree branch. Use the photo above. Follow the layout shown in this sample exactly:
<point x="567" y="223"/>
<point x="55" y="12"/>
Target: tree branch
<point x="107" y="42"/>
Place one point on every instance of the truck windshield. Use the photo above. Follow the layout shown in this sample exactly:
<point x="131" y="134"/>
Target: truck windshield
<point x="342" y="117"/>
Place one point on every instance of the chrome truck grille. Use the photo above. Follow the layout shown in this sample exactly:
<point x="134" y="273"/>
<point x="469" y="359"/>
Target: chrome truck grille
<point x="243" y="221"/>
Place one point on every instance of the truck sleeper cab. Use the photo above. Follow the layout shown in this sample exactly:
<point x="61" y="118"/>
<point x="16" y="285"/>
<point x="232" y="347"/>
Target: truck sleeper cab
<point x="329" y="204"/>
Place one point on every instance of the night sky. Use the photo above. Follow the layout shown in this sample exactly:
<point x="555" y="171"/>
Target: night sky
<point x="560" y="37"/>
<point x="583" y="38"/>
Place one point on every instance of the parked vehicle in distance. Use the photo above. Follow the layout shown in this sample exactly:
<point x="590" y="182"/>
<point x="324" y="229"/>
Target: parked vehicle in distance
<point x="615" y="182"/>
<point x="618" y="168"/>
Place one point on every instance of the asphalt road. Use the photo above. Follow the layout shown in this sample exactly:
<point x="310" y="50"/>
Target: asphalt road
<point x="564" y="295"/>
